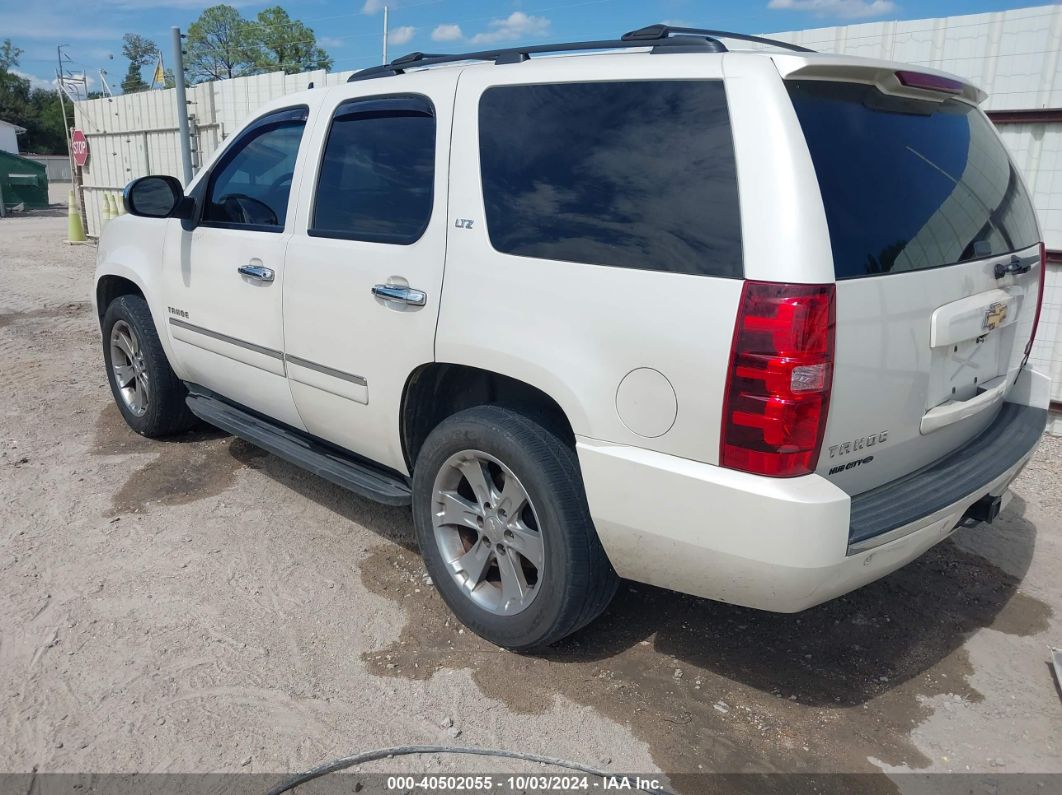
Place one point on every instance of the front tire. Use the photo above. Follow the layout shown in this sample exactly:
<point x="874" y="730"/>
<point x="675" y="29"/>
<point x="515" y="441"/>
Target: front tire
<point x="505" y="530"/>
<point x="149" y="394"/>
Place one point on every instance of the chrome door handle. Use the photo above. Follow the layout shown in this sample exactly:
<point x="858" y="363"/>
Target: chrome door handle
<point x="258" y="272"/>
<point x="400" y="295"/>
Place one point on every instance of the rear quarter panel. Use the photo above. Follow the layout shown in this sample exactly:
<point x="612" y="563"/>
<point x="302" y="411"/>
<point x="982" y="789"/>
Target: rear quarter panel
<point x="576" y="330"/>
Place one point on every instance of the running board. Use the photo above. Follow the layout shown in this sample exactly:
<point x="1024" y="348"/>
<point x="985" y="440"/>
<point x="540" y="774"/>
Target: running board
<point x="303" y="451"/>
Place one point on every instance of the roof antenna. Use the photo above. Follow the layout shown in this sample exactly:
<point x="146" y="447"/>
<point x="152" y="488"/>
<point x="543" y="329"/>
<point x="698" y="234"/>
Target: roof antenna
<point x="385" y="36"/>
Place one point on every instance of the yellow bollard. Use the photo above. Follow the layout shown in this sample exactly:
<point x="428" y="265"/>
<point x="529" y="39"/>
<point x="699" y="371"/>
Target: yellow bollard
<point x="74" y="232"/>
<point x="119" y="204"/>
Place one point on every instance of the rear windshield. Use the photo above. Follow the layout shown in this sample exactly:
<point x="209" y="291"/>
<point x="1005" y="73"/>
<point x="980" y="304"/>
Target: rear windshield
<point x="909" y="184"/>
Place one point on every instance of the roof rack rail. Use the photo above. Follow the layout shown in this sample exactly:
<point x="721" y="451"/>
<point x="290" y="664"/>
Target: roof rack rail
<point x="662" y="38"/>
<point x="658" y="32"/>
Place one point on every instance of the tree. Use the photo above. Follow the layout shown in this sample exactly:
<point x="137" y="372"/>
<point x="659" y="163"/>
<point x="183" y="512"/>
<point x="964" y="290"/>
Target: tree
<point x="133" y="82"/>
<point x="14" y="89"/>
<point x="287" y="45"/>
<point x="36" y="109"/>
<point x="9" y="55"/>
<point x="221" y="45"/>
<point x="140" y="52"/>
<point x="45" y="130"/>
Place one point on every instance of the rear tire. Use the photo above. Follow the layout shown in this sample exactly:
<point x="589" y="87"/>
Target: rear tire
<point x="148" y="393"/>
<point x="505" y="530"/>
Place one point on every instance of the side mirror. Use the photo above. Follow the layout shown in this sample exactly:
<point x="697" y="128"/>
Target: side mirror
<point x="157" y="196"/>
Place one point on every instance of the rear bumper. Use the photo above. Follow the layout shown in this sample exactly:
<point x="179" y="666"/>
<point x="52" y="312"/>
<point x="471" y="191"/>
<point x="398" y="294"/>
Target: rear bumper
<point x="785" y="544"/>
<point x="890" y="511"/>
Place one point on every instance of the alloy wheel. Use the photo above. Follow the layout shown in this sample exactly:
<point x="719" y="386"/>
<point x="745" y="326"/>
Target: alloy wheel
<point x="488" y="532"/>
<point x="130" y="371"/>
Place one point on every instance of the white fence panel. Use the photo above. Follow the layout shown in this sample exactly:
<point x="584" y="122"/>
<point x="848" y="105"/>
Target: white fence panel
<point x="1013" y="55"/>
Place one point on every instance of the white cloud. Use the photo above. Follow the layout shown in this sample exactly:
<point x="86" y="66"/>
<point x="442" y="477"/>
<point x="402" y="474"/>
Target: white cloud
<point x="401" y="35"/>
<point x="374" y="6"/>
<point x="447" y="33"/>
<point x="846" y="9"/>
<point x="329" y="41"/>
<point x="35" y="82"/>
<point x="515" y="26"/>
<point x="52" y="83"/>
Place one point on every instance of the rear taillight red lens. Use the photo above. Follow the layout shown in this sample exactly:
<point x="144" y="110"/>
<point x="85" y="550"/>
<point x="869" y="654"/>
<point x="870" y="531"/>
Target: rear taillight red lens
<point x="1039" y="299"/>
<point x="778" y="385"/>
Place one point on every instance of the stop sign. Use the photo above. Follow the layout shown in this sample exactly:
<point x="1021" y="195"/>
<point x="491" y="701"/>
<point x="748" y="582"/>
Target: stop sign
<point x="79" y="147"/>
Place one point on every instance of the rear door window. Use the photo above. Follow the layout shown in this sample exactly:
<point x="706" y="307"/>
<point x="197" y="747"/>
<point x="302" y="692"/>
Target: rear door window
<point x="633" y="174"/>
<point x="909" y="184"/>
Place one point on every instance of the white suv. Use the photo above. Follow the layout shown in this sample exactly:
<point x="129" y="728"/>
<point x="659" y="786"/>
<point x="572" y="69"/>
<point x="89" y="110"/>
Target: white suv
<point x="751" y="325"/>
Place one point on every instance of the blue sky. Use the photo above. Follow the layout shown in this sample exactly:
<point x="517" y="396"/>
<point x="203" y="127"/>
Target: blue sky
<point x="351" y="29"/>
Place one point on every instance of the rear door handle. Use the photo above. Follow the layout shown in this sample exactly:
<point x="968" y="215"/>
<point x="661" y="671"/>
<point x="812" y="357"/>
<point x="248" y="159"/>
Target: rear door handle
<point x="258" y="272"/>
<point x="397" y="294"/>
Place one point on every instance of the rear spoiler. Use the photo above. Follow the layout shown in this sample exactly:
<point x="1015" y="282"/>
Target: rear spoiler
<point x="917" y="82"/>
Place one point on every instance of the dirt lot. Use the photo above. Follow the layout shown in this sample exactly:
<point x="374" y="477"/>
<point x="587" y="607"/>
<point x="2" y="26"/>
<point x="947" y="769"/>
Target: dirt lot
<point x="197" y="605"/>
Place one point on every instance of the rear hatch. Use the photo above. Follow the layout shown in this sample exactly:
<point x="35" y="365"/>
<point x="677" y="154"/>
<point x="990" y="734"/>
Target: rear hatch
<point x="937" y="260"/>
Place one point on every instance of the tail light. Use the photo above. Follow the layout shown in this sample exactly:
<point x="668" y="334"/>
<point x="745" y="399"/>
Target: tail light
<point x="1039" y="299"/>
<point x="778" y="385"/>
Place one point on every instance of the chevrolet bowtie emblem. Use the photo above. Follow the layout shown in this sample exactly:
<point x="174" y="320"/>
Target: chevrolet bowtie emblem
<point x="995" y="315"/>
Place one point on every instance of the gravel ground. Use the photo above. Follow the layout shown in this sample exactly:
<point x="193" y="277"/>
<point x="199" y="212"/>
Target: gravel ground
<point x="198" y="606"/>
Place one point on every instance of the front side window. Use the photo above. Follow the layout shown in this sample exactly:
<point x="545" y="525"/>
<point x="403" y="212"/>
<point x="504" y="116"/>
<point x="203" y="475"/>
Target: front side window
<point x="251" y="185"/>
<point x="636" y="174"/>
<point x="378" y="171"/>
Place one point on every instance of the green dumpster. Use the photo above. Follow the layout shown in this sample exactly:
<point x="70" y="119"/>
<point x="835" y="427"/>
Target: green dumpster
<point x="22" y="182"/>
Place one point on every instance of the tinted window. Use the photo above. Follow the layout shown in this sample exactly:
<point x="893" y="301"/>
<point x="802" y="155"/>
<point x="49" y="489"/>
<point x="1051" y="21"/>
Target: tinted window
<point x="378" y="172"/>
<point x="251" y="185"/>
<point x="635" y="175"/>
<point x="909" y="184"/>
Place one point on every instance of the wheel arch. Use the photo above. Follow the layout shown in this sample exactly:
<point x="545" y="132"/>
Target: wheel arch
<point x="110" y="286"/>
<point x="437" y="390"/>
<point x="119" y="280"/>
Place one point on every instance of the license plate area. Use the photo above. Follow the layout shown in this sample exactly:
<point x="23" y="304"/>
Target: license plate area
<point x="972" y="341"/>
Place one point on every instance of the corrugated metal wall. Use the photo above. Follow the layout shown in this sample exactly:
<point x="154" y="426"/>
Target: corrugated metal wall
<point x="1013" y="55"/>
<point x="57" y="166"/>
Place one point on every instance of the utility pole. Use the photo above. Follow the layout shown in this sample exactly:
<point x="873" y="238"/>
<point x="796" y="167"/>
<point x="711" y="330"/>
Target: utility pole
<point x="182" y="106"/>
<point x="385" y="36"/>
<point x="59" y="75"/>
<point x="76" y="178"/>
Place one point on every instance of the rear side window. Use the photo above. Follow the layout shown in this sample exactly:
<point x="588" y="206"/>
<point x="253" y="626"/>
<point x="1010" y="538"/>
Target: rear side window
<point x="377" y="176"/>
<point x="909" y="184"/>
<point x="629" y="174"/>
